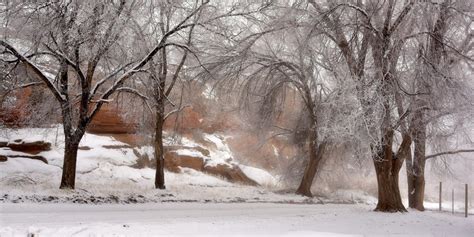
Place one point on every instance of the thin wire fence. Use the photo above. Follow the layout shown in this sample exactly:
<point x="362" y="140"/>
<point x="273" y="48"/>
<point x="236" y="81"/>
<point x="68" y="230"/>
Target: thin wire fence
<point x="455" y="198"/>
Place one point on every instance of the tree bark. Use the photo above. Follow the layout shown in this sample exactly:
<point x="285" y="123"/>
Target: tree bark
<point x="416" y="173"/>
<point x="418" y="170"/>
<point x="160" y="164"/>
<point x="387" y="167"/>
<point x="315" y="156"/>
<point x="416" y="179"/>
<point x="389" y="199"/>
<point x="410" y="182"/>
<point x="68" y="179"/>
<point x="419" y="193"/>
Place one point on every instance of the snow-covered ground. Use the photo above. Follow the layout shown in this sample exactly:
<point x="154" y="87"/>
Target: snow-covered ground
<point x="237" y="219"/>
<point x="114" y="199"/>
<point x="104" y="174"/>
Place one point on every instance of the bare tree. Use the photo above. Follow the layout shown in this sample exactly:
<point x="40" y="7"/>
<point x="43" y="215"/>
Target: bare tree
<point x="438" y="92"/>
<point x="291" y="55"/>
<point x="79" y="47"/>
<point x="162" y="89"/>
<point x="181" y="55"/>
<point x="380" y="29"/>
<point x="384" y="30"/>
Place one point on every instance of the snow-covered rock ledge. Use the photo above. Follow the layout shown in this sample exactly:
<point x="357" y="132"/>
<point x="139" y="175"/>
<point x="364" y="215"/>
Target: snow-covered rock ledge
<point x="106" y="172"/>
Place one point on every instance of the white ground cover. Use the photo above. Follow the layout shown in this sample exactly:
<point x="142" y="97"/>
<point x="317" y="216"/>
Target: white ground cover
<point x="114" y="199"/>
<point x="104" y="175"/>
<point x="236" y="219"/>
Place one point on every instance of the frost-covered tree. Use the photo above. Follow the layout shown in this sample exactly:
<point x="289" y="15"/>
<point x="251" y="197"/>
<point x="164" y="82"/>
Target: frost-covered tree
<point x="436" y="85"/>
<point x="181" y="58"/>
<point x="371" y="37"/>
<point x="289" y="55"/>
<point x="86" y="44"/>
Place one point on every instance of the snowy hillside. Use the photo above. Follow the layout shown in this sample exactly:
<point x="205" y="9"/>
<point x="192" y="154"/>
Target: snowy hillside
<point x="105" y="173"/>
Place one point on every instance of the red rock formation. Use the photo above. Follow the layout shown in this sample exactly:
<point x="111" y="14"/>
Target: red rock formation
<point x="185" y="120"/>
<point x="34" y="147"/>
<point x="230" y="172"/>
<point x="109" y="121"/>
<point x="174" y="161"/>
<point x="13" y="115"/>
<point x="249" y="149"/>
<point x="191" y="119"/>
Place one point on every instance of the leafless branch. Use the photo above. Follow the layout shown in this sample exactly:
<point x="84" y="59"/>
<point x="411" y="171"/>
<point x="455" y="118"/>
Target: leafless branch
<point x="449" y="153"/>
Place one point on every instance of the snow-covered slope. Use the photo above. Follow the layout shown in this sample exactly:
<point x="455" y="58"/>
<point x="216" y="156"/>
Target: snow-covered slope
<point x="104" y="174"/>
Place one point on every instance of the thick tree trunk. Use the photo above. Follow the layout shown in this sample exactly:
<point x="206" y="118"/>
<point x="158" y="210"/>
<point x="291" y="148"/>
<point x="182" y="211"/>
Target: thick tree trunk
<point x="416" y="166"/>
<point x="404" y="153"/>
<point x="315" y="157"/>
<point x="410" y="182"/>
<point x="387" y="166"/>
<point x="419" y="194"/>
<point x="419" y="168"/>
<point x="416" y="184"/>
<point x="160" y="164"/>
<point x="68" y="179"/>
<point x="389" y="198"/>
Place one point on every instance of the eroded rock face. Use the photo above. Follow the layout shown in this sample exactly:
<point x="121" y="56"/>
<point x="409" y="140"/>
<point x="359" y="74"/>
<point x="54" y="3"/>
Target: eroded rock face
<point x="272" y="154"/>
<point x="190" y="119"/>
<point x="197" y="158"/>
<point x="40" y="158"/>
<point x="12" y="116"/>
<point x="187" y="119"/>
<point x="174" y="160"/>
<point x="24" y="149"/>
<point x="109" y="121"/>
<point x="34" y="147"/>
<point x="230" y="172"/>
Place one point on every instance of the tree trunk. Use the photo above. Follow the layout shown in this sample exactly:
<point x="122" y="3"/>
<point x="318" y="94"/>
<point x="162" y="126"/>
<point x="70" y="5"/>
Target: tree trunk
<point x="68" y="179"/>
<point x="404" y="154"/>
<point x="387" y="166"/>
<point x="159" y="175"/>
<point x="410" y="182"/>
<point x="416" y="174"/>
<point x="419" y="168"/>
<point x="419" y="194"/>
<point x="389" y="198"/>
<point x="315" y="157"/>
<point x="416" y="189"/>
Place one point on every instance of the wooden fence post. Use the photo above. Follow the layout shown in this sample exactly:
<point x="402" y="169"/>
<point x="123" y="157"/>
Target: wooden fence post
<point x="465" y="204"/>
<point x="440" y="191"/>
<point x="452" y="201"/>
